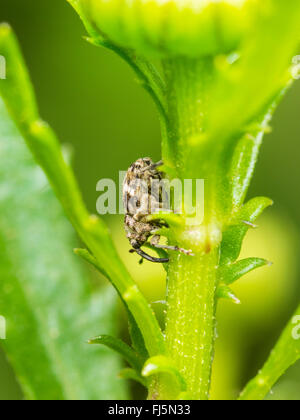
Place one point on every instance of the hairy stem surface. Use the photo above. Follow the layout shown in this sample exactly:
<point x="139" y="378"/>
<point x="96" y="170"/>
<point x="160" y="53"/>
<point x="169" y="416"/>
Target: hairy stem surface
<point x="190" y="327"/>
<point x="190" y="319"/>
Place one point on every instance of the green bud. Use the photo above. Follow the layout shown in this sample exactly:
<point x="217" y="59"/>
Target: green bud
<point x="172" y="27"/>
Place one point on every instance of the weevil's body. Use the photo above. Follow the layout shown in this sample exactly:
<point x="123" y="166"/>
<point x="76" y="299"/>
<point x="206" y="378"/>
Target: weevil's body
<point x="139" y="203"/>
<point x="141" y="200"/>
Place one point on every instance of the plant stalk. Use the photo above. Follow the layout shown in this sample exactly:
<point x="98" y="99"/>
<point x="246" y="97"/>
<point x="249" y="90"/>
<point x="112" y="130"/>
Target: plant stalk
<point x="192" y="281"/>
<point x="190" y="324"/>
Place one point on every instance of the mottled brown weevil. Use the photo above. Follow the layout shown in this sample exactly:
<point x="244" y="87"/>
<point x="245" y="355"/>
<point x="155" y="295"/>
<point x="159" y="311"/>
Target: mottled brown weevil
<point x="139" y="202"/>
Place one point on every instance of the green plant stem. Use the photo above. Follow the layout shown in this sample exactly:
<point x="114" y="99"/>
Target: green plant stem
<point x="190" y="323"/>
<point x="190" y="327"/>
<point x="187" y="84"/>
<point x="192" y="281"/>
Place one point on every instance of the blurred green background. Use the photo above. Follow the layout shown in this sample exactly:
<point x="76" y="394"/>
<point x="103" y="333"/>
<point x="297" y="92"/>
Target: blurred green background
<point x="91" y="99"/>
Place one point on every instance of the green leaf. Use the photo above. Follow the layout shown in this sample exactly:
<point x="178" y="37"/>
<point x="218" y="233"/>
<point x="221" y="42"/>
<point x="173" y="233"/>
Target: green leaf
<point x="229" y="274"/>
<point x="244" y="85"/>
<point x="285" y="354"/>
<point x="135" y="333"/>
<point x="234" y="235"/>
<point x="24" y="106"/>
<point x="135" y="361"/>
<point x="131" y="374"/>
<point x="224" y="292"/>
<point x="46" y="149"/>
<point x="243" y="162"/>
<point x="138" y="342"/>
<point x="161" y="364"/>
<point x="253" y="209"/>
<point x="45" y="296"/>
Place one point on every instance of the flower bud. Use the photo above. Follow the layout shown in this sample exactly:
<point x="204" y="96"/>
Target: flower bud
<point x="191" y="28"/>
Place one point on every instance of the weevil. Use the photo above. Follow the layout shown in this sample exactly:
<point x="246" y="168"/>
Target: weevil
<point x="140" y="201"/>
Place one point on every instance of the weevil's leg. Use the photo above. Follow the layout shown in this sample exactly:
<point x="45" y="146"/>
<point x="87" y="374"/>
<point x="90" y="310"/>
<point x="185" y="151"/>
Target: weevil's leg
<point x="154" y="241"/>
<point x="160" y="223"/>
<point x="149" y="257"/>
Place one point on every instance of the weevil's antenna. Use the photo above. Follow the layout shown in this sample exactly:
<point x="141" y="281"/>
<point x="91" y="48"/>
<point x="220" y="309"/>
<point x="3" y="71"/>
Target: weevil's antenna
<point x="149" y="257"/>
